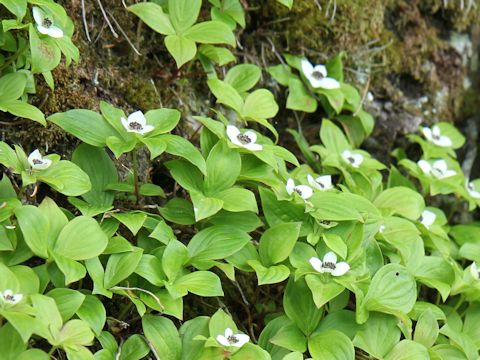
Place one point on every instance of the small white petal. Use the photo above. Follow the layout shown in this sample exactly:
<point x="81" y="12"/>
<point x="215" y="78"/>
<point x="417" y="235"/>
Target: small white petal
<point x="449" y="173"/>
<point x="137" y="117"/>
<point x="472" y="191"/>
<point x="328" y="83"/>
<point x="44" y="165"/>
<point x="125" y="123"/>
<point x="290" y="187"/>
<point x="330" y="257"/>
<point x="381" y="230"/>
<point x="55" y="32"/>
<point x="38" y="15"/>
<point x="251" y="135"/>
<point x="307" y="67"/>
<point x="146" y="129"/>
<point x="242" y="339"/>
<point x="425" y="166"/>
<point x="427" y="132"/>
<point x="17" y="298"/>
<point x="34" y="155"/>
<point x="232" y="133"/>
<point x="228" y="332"/>
<point x="440" y="165"/>
<point x="223" y="340"/>
<point x="474" y="271"/>
<point x="42" y="29"/>
<point x="358" y="159"/>
<point x="428" y="218"/>
<point x="306" y="192"/>
<point x="321" y="69"/>
<point x="340" y="269"/>
<point x="443" y="141"/>
<point x="316" y="264"/>
<point x="326" y="181"/>
<point x="253" y="147"/>
<point x="435" y="130"/>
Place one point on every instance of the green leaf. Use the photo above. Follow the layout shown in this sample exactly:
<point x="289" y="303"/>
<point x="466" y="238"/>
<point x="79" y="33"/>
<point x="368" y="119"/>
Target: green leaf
<point x="201" y="283"/>
<point x="322" y="292"/>
<point x="298" y="96"/>
<point x="287" y="3"/>
<point x="178" y="211"/>
<point x="281" y="73"/>
<point x="153" y="15"/>
<point x="121" y="266"/>
<point x="183" y="13"/>
<point x="333" y="137"/>
<point x="66" y="177"/>
<point x="269" y="275"/>
<point x="277" y="242"/>
<point x="173" y="258"/>
<point x="24" y="110"/>
<point x="68" y="301"/>
<point x="164" y="120"/>
<point x="407" y="350"/>
<point x="81" y="239"/>
<point x="87" y="125"/>
<point x="210" y="32"/>
<point x="218" y="55"/>
<point x="216" y="242"/>
<point x="134" y="348"/>
<point x="12" y="86"/>
<point x="291" y="338"/>
<point x="151" y="190"/>
<point x="204" y="207"/>
<point x="223" y="168"/>
<point x="299" y="306"/>
<point x="331" y="345"/>
<point x="260" y="104"/>
<point x="93" y="313"/>
<point x="71" y="269"/>
<point x="177" y="145"/>
<point x="426" y="329"/>
<point x="11" y="342"/>
<point x="226" y="94"/>
<point x="378" y="335"/>
<point x="75" y="332"/>
<point x="238" y="199"/>
<point x="35" y="228"/>
<point x="402" y="201"/>
<point x="45" y="54"/>
<point x="163" y="335"/>
<point x="132" y="220"/>
<point x="100" y="169"/>
<point x="392" y="291"/>
<point x="250" y="352"/>
<point x="334" y="207"/>
<point x="437" y="273"/>
<point x="16" y="7"/>
<point x="243" y="77"/>
<point x="182" y="49"/>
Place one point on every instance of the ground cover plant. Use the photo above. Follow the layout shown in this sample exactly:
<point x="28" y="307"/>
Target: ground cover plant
<point x="257" y="242"/>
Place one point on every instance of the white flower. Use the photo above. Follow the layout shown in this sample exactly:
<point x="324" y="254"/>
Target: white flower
<point x="231" y="339"/>
<point x="475" y="271"/>
<point x="427" y="218"/>
<point x="381" y="229"/>
<point x="37" y="162"/>
<point x="8" y="297"/>
<point x="304" y="191"/>
<point x="472" y="191"/>
<point x="137" y="123"/>
<point x="246" y="140"/>
<point x="45" y="24"/>
<point x="439" y="169"/>
<point x="317" y="76"/>
<point x="329" y="265"/>
<point x="433" y="135"/>
<point x="321" y="183"/>
<point x="351" y="158"/>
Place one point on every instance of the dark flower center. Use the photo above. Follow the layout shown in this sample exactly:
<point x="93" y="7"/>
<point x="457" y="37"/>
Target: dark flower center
<point x="232" y="339"/>
<point x="47" y="23"/>
<point x="37" y="162"/>
<point x="317" y="75"/>
<point x="325" y="222"/>
<point x="9" y="297"/>
<point x="470" y="187"/>
<point x="298" y="191"/>
<point x="351" y="160"/>
<point x="329" y="265"/>
<point x="135" y="125"/>
<point x="436" y="137"/>
<point x="244" y="139"/>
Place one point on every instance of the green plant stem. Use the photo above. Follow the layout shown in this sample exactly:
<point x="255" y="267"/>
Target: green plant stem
<point x="52" y="350"/>
<point x="135" y="175"/>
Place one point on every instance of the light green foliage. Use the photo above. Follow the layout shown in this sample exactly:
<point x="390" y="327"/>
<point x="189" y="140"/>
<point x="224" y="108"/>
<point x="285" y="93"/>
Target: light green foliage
<point x="350" y="255"/>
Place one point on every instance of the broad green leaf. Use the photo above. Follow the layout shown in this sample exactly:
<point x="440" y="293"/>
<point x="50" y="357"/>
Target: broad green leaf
<point x="45" y="54"/>
<point x="11" y="342"/>
<point x="120" y="266"/>
<point x="210" y="32"/>
<point x="153" y="15"/>
<point x="426" y="329"/>
<point x="73" y="333"/>
<point x="277" y="242"/>
<point x="243" y="77"/>
<point x="186" y="175"/>
<point x="238" y="200"/>
<point x="182" y="49"/>
<point x="201" y="283"/>
<point x="334" y="207"/>
<point x="177" y="145"/>
<point x="392" y="291"/>
<point x="93" y="313"/>
<point x="322" y="291"/>
<point x="331" y="345"/>
<point x="298" y="96"/>
<point x="163" y="335"/>
<point x="281" y="73"/>
<point x="378" y="335"/>
<point x="35" y="228"/>
<point x="291" y="338"/>
<point x="164" y="120"/>
<point x="183" y="13"/>
<point x="435" y="272"/>
<point x="101" y="171"/>
<point x="223" y="168"/>
<point x="71" y="269"/>
<point x="12" y="86"/>
<point x="287" y="3"/>
<point x="87" y="125"/>
<point x="179" y="211"/>
<point x="260" y="104"/>
<point x="68" y="301"/>
<point x="407" y="350"/>
<point x="269" y="275"/>
<point x="226" y="94"/>
<point x="67" y="178"/>
<point x="173" y="258"/>
<point x="251" y="352"/>
<point x="299" y="306"/>
<point x="24" y="110"/>
<point x="134" y="348"/>
<point x="16" y="7"/>
<point x="204" y="207"/>
<point x="216" y="242"/>
<point x="81" y="239"/>
<point x="333" y="137"/>
<point x="402" y="201"/>
<point x="132" y="220"/>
